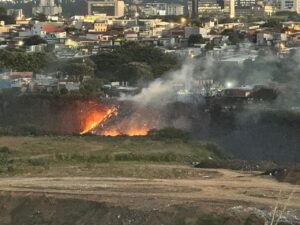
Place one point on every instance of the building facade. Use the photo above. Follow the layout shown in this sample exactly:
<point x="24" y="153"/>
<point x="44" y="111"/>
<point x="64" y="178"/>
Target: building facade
<point x="47" y="7"/>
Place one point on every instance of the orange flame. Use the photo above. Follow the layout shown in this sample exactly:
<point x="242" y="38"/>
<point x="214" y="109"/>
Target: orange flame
<point x="94" y="118"/>
<point x="130" y="132"/>
<point x="137" y="132"/>
<point x="98" y="118"/>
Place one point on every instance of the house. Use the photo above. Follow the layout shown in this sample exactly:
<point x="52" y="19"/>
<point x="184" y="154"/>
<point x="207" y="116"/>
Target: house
<point x="270" y="38"/>
<point x="131" y="36"/>
<point x="43" y="28"/>
<point x="100" y="27"/>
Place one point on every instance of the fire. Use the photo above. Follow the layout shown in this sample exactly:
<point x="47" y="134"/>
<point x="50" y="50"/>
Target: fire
<point x="130" y="132"/>
<point x="95" y="117"/>
<point x="122" y="119"/>
<point x="137" y="132"/>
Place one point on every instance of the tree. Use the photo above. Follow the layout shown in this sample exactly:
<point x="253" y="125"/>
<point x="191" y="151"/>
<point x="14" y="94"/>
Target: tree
<point x="77" y="71"/>
<point x="209" y="46"/>
<point x="22" y="61"/>
<point x="132" y="62"/>
<point x="2" y="11"/>
<point x="63" y="91"/>
<point x="91" y="87"/>
<point x="273" y="23"/>
<point x="195" y="39"/>
<point x="34" y="40"/>
<point x="41" y="17"/>
<point x="6" y="18"/>
<point x="233" y="35"/>
<point x="134" y="72"/>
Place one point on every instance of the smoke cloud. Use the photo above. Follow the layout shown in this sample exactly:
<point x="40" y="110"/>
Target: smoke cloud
<point x="245" y="132"/>
<point x="162" y="90"/>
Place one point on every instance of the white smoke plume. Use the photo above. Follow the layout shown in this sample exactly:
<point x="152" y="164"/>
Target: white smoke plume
<point x="162" y="90"/>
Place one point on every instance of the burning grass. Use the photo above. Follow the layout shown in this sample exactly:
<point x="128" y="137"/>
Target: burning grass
<point x="95" y="116"/>
<point x="124" y="118"/>
<point x="104" y="120"/>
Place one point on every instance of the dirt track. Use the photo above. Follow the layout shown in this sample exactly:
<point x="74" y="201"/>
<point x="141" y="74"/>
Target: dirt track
<point x="223" y="189"/>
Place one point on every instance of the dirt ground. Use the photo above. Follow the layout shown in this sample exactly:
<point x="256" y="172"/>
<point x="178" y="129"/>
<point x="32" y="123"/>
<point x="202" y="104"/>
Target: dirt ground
<point x="214" y="186"/>
<point x="37" y="188"/>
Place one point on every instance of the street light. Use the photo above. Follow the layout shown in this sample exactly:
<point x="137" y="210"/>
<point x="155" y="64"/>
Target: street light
<point x="229" y="84"/>
<point x="183" y="20"/>
<point x="20" y="43"/>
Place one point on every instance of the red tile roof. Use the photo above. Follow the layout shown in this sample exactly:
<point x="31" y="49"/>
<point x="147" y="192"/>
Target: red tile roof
<point x="51" y="28"/>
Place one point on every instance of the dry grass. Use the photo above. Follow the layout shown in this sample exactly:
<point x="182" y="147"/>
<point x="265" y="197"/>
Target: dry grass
<point x="110" y="156"/>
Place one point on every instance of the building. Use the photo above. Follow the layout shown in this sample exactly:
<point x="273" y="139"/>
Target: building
<point x="269" y="9"/>
<point x="231" y="8"/>
<point x="112" y="8"/>
<point x="287" y="5"/>
<point x="186" y="8"/>
<point x="256" y="11"/>
<point x="43" y="28"/>
<point x="188" y="31"/>
<point x="17" y="13"/>
<point x="162" y="9"/>
<point x="245" y="3"/>
<point x="297" y="6"/>
<point x="209" y="7"/>
<point x="47" y="7"/>
<point x="100" y="27"/>
<point x="119" y="8"/>
<point x="195" y="7"/>
<point x="4" y="28"/>
<point x="174" y="10"/>
<point x="149" y="10"/>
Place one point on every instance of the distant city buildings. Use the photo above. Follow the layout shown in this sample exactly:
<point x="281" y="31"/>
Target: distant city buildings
<point x="110" y="24"/>
<point x="47" y="7"/>
<point x="161" y="9"/>
<point x="231" y="8"/>
<point x="195" y="5"/>
<point x="113" y="8"/>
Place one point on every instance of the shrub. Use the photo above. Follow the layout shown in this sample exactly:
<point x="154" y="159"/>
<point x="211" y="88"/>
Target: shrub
<point x="4" y="150"/>
<point x="150" y="157"/>
<point x="169" y="133"/>
<point x="44" y="162"/>
<point x="210" y="219"/>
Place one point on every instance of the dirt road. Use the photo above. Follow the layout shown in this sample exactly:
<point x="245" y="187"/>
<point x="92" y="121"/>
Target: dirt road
<point x="225" y="189"/>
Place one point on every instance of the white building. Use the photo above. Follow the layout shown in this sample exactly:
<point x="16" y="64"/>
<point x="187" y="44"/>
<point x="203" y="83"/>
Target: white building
<point x="112" y="8"/>
<point x="47" y="7"/>
<point x="188" y="31"/>
<point x="288" y="5"/>
<point x="174" y="9"/>
<point x="231" y="8"/>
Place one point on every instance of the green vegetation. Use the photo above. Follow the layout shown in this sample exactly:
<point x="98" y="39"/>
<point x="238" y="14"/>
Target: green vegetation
<point x="234" y="36"/>
<point x="133" y="62"/>
<point x="36" y="154"/>
<point x="211" y="219"/>
<point x="41" y="17"/>
<point x="21" y="61"/>
<point x="34" y="40"/>
<point x="169" y="134"/>
<point x="222" y="219"/>
<point x="91" y="87"/>
<point x="4" y="158"/>
<point x="195" y="39"/>
<point x="6" y="18"/>
<point x="78" y="70"/>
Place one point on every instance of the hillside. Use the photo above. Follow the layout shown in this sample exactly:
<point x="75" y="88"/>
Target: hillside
<point x="132" y="180"/>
